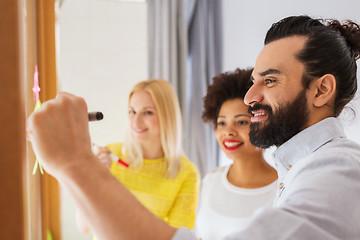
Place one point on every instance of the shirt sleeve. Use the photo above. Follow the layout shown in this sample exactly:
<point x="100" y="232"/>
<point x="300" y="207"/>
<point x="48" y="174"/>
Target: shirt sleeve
<point x="279" y="224"/>
<point x="183" y="212"/>
<point x="184" y="234"/>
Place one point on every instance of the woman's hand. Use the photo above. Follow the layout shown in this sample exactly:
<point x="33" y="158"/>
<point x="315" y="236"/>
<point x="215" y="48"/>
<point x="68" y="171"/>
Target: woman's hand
<point x="103" y="154"/>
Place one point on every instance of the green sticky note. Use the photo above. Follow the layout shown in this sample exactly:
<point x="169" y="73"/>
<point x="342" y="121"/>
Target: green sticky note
<point x="37" y="105"/>
<point x="37" y="163"/>
<point x="49" y="235"/>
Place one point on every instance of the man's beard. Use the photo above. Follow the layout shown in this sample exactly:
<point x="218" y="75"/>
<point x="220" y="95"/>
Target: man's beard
<point x="288" y="120"/>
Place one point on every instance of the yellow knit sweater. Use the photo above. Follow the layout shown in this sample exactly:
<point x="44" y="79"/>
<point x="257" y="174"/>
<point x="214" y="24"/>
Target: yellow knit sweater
<point x="173" y="200"/>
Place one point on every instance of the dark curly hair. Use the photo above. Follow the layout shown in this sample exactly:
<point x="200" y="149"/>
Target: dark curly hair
<point x="225" y="86"/>
<point x="331" y="47"/>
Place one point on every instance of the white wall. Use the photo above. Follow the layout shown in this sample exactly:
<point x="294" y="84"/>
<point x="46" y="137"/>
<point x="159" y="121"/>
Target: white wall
<point x="102" y="54"/>
<point x="246" y="22"/>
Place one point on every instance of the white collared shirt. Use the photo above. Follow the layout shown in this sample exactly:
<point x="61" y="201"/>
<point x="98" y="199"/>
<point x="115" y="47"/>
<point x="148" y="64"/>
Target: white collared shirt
<point x="319" y="189"/>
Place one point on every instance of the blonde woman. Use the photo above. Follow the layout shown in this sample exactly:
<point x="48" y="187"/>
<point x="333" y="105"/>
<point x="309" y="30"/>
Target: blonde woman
<point x="151" y="163"/>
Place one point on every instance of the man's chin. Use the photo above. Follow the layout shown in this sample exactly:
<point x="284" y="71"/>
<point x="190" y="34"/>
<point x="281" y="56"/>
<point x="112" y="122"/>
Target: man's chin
<point x="258" y="126"/>
<point x="259" y="135"/>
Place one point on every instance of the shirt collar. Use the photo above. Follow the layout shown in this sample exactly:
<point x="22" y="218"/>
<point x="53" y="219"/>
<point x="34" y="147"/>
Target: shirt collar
<point x="308" y="141"/>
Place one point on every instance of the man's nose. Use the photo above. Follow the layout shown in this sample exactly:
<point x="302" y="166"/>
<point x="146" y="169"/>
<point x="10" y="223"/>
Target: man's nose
<point x="253" y="95"/>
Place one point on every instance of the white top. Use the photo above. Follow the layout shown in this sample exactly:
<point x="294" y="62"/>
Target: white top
<point x="225" y="208"/>
<point x="319" y="177"/>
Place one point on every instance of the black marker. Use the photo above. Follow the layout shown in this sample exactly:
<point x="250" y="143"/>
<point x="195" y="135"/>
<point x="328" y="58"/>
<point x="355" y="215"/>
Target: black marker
<point x="95" y="116"/>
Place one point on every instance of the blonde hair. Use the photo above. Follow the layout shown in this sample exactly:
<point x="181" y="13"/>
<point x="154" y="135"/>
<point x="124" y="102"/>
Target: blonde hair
<point x="169" y="114"/>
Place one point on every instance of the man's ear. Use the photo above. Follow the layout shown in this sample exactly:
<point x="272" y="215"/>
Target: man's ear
<point x="325" y="88"/>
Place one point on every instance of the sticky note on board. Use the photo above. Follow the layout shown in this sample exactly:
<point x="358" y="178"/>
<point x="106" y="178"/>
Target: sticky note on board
<point x="36" y="90"/>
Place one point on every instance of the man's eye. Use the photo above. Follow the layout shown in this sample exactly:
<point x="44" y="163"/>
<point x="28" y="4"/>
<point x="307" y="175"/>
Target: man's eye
<point x="131" y="112"/>
<point x="269" y="81"/>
